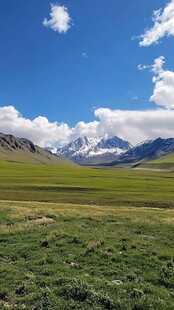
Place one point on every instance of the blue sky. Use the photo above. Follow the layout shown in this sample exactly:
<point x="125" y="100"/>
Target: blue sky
<point x="92" y="66"/>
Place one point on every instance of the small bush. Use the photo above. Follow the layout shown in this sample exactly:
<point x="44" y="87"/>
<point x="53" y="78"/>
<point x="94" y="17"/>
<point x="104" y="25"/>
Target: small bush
<point x="3" y="295"/>
<point x="44" y="243"/>
<point x="167" y="277"/>
<point x="92" y="246"/>
<point x="80" y="291"/>
<point x="21" y="290"/>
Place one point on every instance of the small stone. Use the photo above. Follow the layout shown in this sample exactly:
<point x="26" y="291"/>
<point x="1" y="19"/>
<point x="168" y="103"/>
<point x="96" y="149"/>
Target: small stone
<point x="116" y="282"/>
<point x="75" y="265"/>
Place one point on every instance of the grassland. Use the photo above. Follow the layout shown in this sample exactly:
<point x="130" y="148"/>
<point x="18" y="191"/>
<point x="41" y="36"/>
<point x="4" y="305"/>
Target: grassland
<point x="80" y="238"/>
<point x="41" y="157"/>
<point x="86" y="186"/>
<point x="164" y="163"/>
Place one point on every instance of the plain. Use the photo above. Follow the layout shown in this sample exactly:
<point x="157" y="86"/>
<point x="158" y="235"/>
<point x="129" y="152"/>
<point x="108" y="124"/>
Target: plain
<point x="80" y="238"/>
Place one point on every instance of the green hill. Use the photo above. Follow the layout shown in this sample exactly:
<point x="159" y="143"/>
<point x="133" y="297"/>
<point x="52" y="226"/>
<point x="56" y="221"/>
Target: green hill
<point x="166" y="163"/>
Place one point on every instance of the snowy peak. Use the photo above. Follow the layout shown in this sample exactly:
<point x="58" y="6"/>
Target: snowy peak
<point x="113" y="142"/>
<point x="82" y="149"/>
<point x="149" y="150"/>
<point x="80" y="142"/>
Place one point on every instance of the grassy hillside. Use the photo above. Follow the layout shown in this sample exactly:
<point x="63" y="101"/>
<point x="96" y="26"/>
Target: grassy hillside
<point x="166" y="162"/>
<point x="24" y="156"/>
<point x="169" y="159"/>
<point x="62" y="256"/>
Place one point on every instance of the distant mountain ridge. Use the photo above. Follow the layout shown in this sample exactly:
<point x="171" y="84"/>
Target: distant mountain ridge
<point x="149" y="150"/>
<point x="85" y="151"/>
<point x="89" y="150"/>
<point x="112" y="151"/>
<point x="22" y="150"/>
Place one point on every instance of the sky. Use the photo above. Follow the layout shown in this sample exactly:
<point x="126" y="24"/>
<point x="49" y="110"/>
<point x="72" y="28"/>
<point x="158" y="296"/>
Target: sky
<point x="79" y="68"/>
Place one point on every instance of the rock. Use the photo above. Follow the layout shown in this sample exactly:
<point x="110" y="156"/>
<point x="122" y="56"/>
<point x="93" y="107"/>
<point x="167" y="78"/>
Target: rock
<point x="75" y="265"/>
<point x="116" y="282"/>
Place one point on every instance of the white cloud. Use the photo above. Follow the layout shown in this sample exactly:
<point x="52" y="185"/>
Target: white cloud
<point x="157" y="67"/>
<point x="134" y="126"/>
<point x="142" y="67"/>
<point x="60" y="20"/>
<point x="135" y="98"/>
<point x="163" y="26"/>
<point x="163" y="93"/>
<point x="40" y="130"/>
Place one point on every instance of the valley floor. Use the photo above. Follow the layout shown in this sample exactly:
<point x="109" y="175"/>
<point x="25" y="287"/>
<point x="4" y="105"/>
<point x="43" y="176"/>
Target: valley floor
<point x="79" y="238"/>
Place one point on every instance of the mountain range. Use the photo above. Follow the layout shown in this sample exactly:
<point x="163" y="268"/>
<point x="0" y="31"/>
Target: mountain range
<point x="148" y="150"/>
<point x="113" y="150"/>
<point x="85" y="151"/>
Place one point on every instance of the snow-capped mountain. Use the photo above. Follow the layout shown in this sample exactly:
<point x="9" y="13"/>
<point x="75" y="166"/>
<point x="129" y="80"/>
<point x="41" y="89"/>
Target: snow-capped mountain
<point x="94" y="150"/>
<point x="148" y="150"/>
<point x="112" y="151"/>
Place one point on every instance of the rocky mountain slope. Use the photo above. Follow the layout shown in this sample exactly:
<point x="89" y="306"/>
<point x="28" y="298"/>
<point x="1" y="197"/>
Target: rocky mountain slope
<point x="22" y="150"/>
<point x="93" y="150"/>
<point x="149" y="150"/>
<point x="10" y="143"/>
<point x="111" y="151"/>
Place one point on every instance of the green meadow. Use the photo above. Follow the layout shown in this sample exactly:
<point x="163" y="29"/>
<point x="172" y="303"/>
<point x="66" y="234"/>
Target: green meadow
<point x="166" y="162"/>
<point x="80" y="185"/>
<point x="82" y="238"/>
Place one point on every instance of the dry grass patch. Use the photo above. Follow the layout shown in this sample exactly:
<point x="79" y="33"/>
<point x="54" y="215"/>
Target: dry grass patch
<point x="40" y="220"/>
<point x="169" y="221"/>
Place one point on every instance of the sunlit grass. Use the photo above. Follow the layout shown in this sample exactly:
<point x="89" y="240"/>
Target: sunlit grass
<point x="70" y="261"/>
<point x="86" y="186"/>
<point x="68" y="236"/>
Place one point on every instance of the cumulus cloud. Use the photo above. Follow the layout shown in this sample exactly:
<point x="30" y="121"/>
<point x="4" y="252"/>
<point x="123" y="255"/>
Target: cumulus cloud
<point x="163" y="93"/>
<point x="163" y="25"/>
<point x="39" y="130"/>
<point x="60" y="20"/>
<point x="134" y="126"/>
<point x="157" y="66"/>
